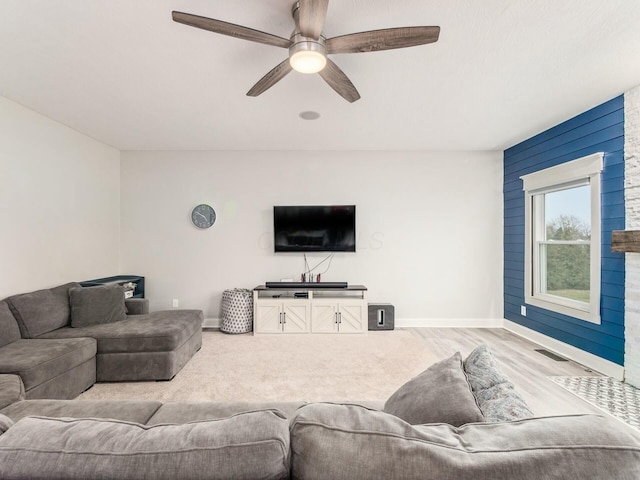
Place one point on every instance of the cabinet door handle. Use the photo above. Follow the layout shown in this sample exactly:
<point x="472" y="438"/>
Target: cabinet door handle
<point x="336" y="320"/>
<point x="339" y="317"/>
<point x="284" y="317"/>
<point x="280" y="318"/>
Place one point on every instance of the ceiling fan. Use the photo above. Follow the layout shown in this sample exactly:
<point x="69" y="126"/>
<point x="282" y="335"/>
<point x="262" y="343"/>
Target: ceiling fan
<point x="308" y="47"/>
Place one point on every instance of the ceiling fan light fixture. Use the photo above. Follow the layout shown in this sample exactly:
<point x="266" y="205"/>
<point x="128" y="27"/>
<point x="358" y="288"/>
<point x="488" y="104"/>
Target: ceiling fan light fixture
<point x="307" y="55"/>
<point x="308" y="61"/>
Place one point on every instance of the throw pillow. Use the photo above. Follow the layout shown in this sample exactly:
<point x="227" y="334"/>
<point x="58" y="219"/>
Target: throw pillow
<point x="440" y="394"/>
<point x="497" y="396"/>
<point x="42" y="311"/>
<point x="5" y="423"/>
<point x="96" y="305"/>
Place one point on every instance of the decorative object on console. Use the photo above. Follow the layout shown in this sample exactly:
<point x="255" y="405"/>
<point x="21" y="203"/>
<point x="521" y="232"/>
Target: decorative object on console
<point x="129" y="289"/>
<point x="237" y="311"/>
<point x="203" y="216"/>
<point x="308" y="270"/>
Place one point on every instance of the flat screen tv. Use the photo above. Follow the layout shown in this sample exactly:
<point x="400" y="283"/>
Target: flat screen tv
<point x="314" y="228"/>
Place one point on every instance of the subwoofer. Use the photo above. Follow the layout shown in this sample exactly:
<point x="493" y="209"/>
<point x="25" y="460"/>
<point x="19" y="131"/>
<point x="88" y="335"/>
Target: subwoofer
<point x="381" y="316"/>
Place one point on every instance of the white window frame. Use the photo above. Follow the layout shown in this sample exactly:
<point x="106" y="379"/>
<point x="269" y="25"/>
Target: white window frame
<point x="583" y="171"/>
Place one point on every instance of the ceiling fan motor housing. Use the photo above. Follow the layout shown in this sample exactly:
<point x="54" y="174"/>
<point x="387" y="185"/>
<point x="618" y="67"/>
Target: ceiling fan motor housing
<point x="306" y="54"/>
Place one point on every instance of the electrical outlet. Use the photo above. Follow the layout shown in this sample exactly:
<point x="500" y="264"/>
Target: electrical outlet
<point x="176" y="303"/>
<point x="523" y="310"/>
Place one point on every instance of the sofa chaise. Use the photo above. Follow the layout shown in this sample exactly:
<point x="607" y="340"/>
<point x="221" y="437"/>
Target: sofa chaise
<point x="456" y="420"/>
<point x="61" y="340"/>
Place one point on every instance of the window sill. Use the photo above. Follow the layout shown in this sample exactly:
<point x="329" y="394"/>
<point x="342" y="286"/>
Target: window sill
<point x="578" y="313"/>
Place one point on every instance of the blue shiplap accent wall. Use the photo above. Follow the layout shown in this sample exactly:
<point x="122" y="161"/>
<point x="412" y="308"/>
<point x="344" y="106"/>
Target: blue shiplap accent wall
<point x="600" y="129"/>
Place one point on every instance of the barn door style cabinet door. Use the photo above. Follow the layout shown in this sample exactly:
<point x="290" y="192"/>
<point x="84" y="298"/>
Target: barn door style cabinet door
<point x="330" y="316"/>
<point x="277" y="316"/>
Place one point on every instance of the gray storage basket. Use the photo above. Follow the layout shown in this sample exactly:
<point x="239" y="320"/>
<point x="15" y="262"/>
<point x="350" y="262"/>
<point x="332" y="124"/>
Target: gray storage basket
<point x="237" y="311"/>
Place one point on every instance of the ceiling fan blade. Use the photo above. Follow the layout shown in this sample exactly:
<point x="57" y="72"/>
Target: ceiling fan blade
<point x="386" y="39"/>
<point x="270" y="79"/>
<point x="339" y="82"/>
<point x="311" y="17"/>
<point x="225" y="28"/>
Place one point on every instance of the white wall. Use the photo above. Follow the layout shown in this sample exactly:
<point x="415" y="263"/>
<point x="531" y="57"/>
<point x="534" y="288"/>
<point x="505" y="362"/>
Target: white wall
<point x="429" y="225"/>
<point x="59" y="203"/>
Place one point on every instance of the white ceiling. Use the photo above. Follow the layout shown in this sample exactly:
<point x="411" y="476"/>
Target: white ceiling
<point x="123" y="72"/>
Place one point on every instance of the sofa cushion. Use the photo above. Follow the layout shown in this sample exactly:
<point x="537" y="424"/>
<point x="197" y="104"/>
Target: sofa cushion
<point x="252" y="445"/>
<point x="96" y="305"/>
<point x="497" y="396"/>
<point x="9" y="330"/>
<point x="5" y="423"/>
<point x="351" y="443"/>
<point x="11" y="390"/>
<point x="37" y="361"/>
<point x="41" y="311"/>
<point x="139" y="411"/>
<point x="440" y="394"/>
<point x="161" y="331"/>
<point x="182" y="412"/>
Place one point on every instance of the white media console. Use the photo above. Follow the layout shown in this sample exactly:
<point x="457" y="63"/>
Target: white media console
<point x="308" y="309"/>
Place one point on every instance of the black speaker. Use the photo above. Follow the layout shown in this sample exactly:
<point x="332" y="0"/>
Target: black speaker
<point x="381" y="316"/>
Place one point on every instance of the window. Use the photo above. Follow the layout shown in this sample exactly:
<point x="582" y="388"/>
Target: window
<point x="562" y="238"/>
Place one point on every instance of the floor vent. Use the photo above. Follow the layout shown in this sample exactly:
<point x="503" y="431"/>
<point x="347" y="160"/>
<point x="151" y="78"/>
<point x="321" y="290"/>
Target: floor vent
<point x="551" y="355"/>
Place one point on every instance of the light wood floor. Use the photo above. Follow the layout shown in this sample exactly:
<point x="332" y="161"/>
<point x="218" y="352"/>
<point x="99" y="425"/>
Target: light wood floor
<point x="525" y="367"/>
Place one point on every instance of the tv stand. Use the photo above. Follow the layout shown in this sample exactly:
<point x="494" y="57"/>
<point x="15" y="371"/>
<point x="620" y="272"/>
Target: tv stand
<point x="313" y="308"/>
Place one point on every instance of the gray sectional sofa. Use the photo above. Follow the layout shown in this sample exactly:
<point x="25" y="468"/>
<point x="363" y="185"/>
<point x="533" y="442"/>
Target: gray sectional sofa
<point x="61" y="340"/>
<point x="72" y="439"/>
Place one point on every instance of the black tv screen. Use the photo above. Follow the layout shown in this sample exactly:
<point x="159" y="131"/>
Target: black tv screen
<point x="315" y="228"/>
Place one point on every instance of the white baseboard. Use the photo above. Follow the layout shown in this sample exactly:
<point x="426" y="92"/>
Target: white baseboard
<point x="585" y="358"/>
<point x="211" y="323"/>
<point x="449" y="322"/>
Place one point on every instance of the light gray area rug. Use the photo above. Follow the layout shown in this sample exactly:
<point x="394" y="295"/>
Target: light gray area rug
<point x="616" y="398"/>
<point x="286" y="368"/>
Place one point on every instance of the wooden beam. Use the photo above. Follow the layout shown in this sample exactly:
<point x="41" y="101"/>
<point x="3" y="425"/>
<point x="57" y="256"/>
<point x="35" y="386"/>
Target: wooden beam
<point x="625" y="241"/>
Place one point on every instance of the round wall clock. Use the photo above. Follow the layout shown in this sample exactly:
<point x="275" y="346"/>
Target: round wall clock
<point x="203" y="216"/>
